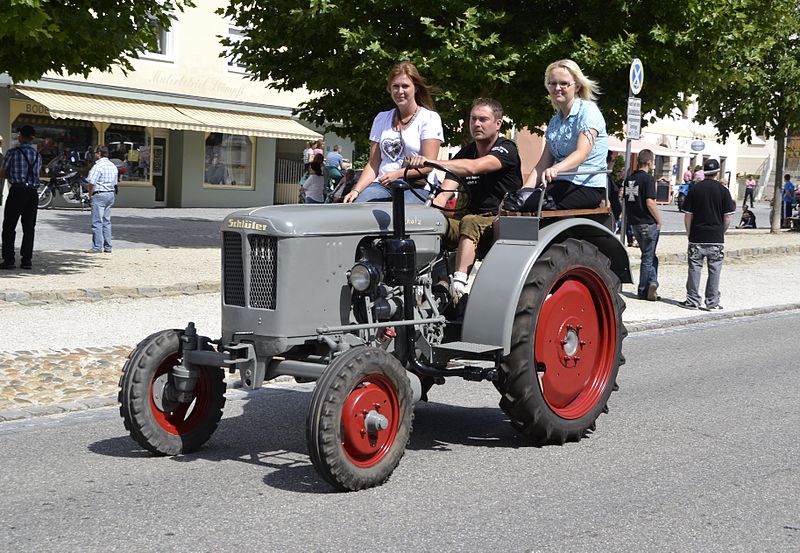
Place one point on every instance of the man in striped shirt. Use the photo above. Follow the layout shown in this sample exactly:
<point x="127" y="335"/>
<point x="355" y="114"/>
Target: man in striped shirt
<point x="102" y="184"/>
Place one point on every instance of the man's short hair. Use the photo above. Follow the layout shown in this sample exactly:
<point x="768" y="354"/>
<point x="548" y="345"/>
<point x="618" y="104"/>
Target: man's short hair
<point x="491" y="103"/>
<point x="787" y="176"/>
<point x="27" y="131"/>
<point x="102" y="150"/>
<point x="645" y="157"/>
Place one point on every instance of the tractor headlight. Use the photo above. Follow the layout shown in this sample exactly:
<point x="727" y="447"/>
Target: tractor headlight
<point x="363" y="276"/>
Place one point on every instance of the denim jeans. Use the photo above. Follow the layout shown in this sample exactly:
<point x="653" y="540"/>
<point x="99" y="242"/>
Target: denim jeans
<point x="647" y="236"/>
<point x="376" y="192"/>
<point x="101" y="221"/>
<point x="713" y="254"/>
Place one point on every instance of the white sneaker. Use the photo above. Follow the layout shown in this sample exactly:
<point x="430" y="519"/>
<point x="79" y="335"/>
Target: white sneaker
<point x="458" y="285"/>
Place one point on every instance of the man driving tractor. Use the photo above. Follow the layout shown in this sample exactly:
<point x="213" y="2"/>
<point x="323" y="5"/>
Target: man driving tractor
<point x="492" y="168"/>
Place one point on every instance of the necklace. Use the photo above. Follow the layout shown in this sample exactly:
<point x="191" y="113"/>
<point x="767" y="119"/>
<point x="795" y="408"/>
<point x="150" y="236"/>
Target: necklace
<point x="400" y="122"/>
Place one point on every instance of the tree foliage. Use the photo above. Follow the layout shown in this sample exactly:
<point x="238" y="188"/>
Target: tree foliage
<point x="751" y="82"/>
<point x="76" y="36"/>
<point x="342" y="51"/>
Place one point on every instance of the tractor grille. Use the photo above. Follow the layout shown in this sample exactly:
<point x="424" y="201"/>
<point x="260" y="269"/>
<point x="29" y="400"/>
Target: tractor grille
<point x="263" y="270"/>
<point x="233" y="268"/>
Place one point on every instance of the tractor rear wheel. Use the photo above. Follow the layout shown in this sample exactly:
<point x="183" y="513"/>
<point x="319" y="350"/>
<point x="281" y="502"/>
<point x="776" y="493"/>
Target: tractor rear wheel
<point x="566" y="345"/>
<point x="359" y="419"/>
<point x="156" y="424"/>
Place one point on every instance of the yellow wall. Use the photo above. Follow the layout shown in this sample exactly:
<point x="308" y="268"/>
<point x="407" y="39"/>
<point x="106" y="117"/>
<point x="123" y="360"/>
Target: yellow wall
<point x="194" y="67"/>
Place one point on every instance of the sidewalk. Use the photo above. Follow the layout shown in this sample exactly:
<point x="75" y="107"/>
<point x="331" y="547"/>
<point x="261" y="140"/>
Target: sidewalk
<point x="75" y="290"/>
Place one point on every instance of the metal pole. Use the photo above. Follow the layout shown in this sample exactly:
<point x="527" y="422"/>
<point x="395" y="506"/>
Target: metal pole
<point x="624" y="219"/>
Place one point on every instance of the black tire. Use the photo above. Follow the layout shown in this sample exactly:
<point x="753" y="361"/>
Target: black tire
<point x="45" y="196"/>
<point x="185" y="428"/>
<point x="566" y="345"/>
<point x="355" y="380"/>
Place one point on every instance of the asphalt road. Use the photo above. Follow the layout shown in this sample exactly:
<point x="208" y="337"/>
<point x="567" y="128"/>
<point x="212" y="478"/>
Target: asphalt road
<point x="70" y="229"/>
<point x="698" y="453"/>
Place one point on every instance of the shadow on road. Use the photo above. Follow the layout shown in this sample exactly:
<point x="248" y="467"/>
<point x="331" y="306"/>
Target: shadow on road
<point x="161" y="231"/>
<point x="51" y="263"/>
<point x="270" y="432"/>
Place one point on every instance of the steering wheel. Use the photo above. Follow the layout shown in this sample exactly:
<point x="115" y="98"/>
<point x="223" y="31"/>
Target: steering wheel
<point x="463" y="197"/>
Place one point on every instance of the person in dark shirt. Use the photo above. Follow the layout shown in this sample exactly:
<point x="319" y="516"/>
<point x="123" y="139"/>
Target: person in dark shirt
<point x="492" y="168"/>
<point x="748" y="219"/>
<point x="645" y="220"/>
<point x="21" y="166"/>
<point x="708" y="211"/>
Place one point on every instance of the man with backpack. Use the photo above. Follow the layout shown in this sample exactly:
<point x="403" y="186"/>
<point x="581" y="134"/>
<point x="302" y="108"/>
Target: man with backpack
<point x="21" y="167"/>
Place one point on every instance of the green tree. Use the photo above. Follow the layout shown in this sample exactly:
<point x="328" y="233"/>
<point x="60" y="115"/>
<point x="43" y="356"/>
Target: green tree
<point x="342" y="51"/>
<point x="752" y="82"/>
<point x="76" y="36"/>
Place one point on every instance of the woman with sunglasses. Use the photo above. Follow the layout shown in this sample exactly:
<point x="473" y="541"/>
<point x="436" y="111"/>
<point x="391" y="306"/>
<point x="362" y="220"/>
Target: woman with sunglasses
<point x="576" y="141"/>
<point x="411" y="128"/>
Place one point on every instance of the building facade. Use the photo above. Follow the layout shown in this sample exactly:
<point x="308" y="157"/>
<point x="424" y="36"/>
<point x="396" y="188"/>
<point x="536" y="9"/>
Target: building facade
<point x="186" y="128"/>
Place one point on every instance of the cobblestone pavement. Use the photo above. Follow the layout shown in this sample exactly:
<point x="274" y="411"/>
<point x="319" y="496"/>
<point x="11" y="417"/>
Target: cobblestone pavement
<point x="53" y="381"/>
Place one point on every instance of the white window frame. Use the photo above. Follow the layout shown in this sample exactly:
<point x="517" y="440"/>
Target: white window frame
<point x="168" y="44"/>
<point x="235" y="34"/>
<point x="251" y="186"/>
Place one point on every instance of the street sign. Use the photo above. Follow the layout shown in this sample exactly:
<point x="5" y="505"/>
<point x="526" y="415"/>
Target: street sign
<point x="634" y="118"/>
<point x="636" y="76"/>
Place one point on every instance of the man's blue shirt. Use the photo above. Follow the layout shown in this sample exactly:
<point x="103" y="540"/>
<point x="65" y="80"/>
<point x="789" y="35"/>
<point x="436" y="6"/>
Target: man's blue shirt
<point x="334" y="159"/>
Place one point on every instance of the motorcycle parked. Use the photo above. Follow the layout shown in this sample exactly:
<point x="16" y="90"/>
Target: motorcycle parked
<point x="69" y="183"/>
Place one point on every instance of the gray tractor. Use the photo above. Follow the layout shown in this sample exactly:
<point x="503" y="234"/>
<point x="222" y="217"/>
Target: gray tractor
<point x="352" y="296"/>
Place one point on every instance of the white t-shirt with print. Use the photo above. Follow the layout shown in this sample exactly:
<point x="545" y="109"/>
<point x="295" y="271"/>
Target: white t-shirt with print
<point x="394" y="145"/>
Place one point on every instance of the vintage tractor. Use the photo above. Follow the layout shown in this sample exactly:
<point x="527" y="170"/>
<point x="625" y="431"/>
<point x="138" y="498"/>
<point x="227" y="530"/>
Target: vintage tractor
<point x="349" y="295"/>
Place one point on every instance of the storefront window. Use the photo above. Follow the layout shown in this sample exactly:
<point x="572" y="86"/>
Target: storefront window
<point x="228" y="160"/>
<point x="61" y="143"/>
<point x="129" y="149"/>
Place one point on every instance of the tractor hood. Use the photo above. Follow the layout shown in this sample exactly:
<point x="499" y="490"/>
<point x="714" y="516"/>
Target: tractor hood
<point x="334" y="220"/>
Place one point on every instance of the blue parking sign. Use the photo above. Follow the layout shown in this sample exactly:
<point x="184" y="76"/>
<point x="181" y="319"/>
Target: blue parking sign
<point x="636" y="76"/>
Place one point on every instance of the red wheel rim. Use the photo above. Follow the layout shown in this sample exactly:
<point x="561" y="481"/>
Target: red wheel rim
<point x="373" y="393"/>
<point x="187" y="416"/>
<point x="575" y="344"/>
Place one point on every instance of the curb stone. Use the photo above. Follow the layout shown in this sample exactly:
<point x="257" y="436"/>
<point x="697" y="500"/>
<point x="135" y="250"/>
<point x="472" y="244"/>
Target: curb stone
<point x="236" y="391"/>
<point x="40" y="297"/>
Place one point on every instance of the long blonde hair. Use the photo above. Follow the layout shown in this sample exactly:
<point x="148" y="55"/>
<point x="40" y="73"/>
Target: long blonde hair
<point x="422" y="93"/>
<point x="587" y="89"/>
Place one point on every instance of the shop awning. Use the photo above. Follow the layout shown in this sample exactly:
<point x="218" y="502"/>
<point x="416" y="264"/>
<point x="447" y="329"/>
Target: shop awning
<point x="65" y="105"/>
<point x="617" y="145"/>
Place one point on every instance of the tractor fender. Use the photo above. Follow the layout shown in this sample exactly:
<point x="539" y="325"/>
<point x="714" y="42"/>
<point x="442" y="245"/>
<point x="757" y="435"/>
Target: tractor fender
<point x="492" y="303"/>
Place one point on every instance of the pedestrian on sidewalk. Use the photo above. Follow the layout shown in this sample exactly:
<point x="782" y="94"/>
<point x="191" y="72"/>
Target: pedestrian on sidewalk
<point x="750" y="190"/>
<point x="708" y="211"/>
<point x="102" y="179"/>
<point x="21" y="166"/>
<point x="787" y="200"/>
<point x="645" y="220"/>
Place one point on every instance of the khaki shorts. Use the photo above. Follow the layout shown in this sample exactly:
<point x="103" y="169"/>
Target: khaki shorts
<point x="471" y="226"/>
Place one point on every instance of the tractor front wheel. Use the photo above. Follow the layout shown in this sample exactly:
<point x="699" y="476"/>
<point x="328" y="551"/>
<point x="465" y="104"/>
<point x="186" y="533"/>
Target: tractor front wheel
<point x="359" y="419"/>
<point x="158" y="425"/>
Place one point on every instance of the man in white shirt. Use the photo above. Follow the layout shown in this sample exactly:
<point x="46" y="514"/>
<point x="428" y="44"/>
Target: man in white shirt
<point x="102" y="185"/>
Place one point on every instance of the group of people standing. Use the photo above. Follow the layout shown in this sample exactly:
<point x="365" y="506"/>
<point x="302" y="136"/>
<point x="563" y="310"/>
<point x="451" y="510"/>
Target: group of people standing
<point x="322" y="172"/>
<point x="708" y="209"/>
<point x="21" y="167"/>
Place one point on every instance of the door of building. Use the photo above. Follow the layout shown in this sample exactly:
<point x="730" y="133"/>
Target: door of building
<point x="160" y="143"/>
